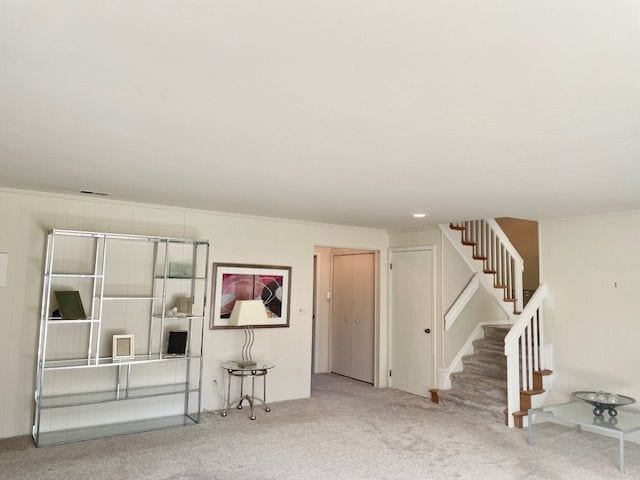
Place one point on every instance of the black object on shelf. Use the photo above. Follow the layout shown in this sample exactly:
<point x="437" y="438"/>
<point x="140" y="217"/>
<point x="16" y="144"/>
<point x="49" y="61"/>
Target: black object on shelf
<point x="177" y="343"/>
<point x="70" y="305"/>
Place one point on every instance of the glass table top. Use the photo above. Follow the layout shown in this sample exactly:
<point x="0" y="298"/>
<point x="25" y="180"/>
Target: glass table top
<point x="580" y="413"/>
<point x="235" y="365"/>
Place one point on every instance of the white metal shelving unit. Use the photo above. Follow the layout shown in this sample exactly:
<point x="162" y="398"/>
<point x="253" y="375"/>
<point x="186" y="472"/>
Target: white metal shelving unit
<point x="123" y="385"/>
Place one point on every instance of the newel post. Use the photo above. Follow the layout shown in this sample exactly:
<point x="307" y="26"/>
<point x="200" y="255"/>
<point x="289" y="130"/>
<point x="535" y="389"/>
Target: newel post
<point x="513" y="380"/>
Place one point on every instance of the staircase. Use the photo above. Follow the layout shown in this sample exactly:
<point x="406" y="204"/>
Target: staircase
<point x="507" y="367"/>
<point x="482" y="384"/>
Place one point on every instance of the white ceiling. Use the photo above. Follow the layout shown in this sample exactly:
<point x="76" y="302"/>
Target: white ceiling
<point x="354" y="112"/>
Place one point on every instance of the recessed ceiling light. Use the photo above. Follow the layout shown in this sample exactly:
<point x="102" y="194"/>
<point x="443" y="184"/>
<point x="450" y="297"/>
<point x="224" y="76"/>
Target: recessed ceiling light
<point x="419" y="215"/>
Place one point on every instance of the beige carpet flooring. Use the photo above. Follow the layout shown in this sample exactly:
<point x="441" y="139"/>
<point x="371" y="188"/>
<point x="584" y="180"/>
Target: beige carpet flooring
<point x="347" y="430"/>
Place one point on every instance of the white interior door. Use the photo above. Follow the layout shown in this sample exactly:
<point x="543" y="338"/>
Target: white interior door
<point x="340" y="315"/>
<point x="353" y="316"/>
<point x="412" y="300"/>
<point x="363" y="317"/>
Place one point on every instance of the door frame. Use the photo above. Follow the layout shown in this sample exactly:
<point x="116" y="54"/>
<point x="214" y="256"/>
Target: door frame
<point x="436" y="324"/>
<point x="378" y="380"/>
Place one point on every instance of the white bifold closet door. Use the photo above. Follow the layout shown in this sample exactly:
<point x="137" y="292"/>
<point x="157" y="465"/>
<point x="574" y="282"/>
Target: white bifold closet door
<point x="353" y="316"/>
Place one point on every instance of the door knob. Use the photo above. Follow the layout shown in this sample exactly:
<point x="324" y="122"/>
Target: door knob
<point x="427" y="330"/>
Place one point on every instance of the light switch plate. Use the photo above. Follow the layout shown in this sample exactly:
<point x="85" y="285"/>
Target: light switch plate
<point x="4" y="263"/>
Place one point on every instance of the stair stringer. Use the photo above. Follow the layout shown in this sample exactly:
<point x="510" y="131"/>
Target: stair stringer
<point x="486" y="280"/>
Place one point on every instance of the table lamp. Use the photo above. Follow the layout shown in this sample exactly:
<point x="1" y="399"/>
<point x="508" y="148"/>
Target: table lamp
<point x="248" y="313"/>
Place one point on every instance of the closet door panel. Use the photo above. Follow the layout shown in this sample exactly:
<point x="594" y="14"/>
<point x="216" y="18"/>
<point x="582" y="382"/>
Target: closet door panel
<point x="363" y="321"/>
<point x="341" y="330"/>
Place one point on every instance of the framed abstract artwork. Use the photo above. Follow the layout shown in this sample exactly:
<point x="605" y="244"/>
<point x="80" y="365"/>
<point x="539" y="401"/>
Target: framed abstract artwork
<point x="234" y="281"/>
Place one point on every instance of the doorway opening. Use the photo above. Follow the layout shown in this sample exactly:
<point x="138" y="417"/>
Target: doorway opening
<point x="346" y="313"/>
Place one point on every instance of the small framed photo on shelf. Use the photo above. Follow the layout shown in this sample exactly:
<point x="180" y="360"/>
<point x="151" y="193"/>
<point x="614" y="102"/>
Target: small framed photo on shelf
<point x="185" y="305"/>
<point x="123" y="347"/>
<point x="269" y="283"/>
<point x="70" y="305"/>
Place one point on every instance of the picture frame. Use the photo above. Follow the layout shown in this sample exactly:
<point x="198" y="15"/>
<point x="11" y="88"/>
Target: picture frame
<point x="123" y="347"/>
<point x="70" y="305"/>
<point x="185" y="305"/>
<point x="237" y="281"/>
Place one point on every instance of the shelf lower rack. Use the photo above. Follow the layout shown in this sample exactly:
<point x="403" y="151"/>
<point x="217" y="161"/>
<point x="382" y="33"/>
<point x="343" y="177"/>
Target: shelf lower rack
<point x="91" y="398"/>
<point x="58" y="437"/>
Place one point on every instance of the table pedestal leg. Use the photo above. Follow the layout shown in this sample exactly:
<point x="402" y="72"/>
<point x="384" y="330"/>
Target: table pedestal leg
<point x="253" y="393"/>
<point x="241" y="391"/>
<point x="250" y="399"/>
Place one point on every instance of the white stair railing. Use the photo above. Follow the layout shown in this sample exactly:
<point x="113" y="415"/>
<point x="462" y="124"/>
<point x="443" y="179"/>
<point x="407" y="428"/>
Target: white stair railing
<point x="523" y="349"/>
<point x="499" y="256"/>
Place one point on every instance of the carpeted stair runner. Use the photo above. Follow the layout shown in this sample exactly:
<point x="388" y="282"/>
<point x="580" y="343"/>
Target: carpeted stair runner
<point x="482" y="384"/>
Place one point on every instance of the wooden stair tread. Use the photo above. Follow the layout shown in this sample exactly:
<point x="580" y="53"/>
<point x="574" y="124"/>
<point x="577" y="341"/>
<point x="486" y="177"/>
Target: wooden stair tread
<point x="518" y="418"/>
<point x="510" y="299"/>
<point x="492" y="272"/>
<point x="479" y="257"/>
<point x="472" y="244"/>
<point x="544" y="373"/>
<point x="435" y="397"/>
<point x="532" y="392"/>
<point x="457" y="227"/>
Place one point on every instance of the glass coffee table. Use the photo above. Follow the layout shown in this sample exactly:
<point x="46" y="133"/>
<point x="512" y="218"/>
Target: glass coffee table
<point x="580" y="414"/>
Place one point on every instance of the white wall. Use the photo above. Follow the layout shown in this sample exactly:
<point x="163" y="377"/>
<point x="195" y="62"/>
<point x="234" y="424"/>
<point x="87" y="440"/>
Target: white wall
<point x="593" y="324"/>
<point x="25" y="217"/>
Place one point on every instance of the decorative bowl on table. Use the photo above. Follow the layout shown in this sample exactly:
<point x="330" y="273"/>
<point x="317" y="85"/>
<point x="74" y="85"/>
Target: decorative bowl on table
<point x="602" y="401"/>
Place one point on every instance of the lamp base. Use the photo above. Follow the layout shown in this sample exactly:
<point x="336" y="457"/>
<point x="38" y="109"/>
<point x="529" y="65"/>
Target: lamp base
<point x="246" y="363"/>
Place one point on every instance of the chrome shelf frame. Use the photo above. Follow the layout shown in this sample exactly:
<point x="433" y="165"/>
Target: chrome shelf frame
<point x="105" y="396"/>
<point x="112" y="429"/>
<point x="190" y="387"/>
